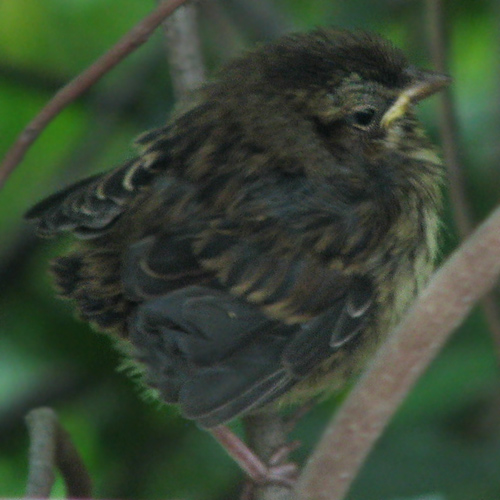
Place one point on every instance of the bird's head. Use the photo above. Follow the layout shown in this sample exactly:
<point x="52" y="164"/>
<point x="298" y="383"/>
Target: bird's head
<point x="354" y="84"/>
<point x="357" y="89"/>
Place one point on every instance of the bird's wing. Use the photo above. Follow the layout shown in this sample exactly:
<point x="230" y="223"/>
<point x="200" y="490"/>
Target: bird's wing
<point x="242" y="340"/>
<point x="218" y="357"/>
<point x="89" y="207"/>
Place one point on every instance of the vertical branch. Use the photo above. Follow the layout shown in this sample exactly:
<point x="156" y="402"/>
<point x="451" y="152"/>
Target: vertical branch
<point x="266" y="435"/>
<point x="51" y="447"/>
<point x="496" y="124"/>
<point x="451" y="146"/>
<point x="448" y="121"/>
<point x="184" y="50"/>
<point x="42" y="454"/>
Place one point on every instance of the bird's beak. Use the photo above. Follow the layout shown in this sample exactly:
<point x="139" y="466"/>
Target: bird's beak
<point x="423" y="83"/>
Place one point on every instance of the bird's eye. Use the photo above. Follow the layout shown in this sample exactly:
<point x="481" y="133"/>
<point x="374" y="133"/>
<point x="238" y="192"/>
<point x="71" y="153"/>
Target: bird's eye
<point x="363" y="118"/>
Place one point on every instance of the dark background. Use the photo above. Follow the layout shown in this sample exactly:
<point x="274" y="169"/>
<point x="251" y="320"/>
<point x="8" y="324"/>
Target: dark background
<point x="444" y="443"/>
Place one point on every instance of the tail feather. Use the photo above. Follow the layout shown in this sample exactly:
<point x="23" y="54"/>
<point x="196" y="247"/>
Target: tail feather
<point x="91" y="279"/>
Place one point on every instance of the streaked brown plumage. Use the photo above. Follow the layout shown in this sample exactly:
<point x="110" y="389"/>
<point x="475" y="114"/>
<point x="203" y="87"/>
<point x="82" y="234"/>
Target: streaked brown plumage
<point x="264" y="241"/>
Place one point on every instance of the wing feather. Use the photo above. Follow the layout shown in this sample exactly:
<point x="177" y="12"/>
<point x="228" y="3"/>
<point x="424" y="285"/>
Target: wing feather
<point x="89" y="207"/>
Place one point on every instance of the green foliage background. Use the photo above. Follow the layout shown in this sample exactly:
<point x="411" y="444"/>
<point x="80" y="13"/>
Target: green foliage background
<point x="444" y="443"/>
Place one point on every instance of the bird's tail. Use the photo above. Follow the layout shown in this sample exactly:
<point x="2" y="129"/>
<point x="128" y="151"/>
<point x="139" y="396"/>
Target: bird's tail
<point x="91" y="279"/>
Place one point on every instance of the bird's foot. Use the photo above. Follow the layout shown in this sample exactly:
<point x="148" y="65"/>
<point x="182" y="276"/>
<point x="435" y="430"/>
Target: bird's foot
<point x="277" y="472"/>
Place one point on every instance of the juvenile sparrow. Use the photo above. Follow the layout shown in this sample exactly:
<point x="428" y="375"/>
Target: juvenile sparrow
<point x="266" y="239"/>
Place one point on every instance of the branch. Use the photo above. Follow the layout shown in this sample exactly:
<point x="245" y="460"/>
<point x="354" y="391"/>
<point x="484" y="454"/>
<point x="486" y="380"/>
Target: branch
<point x="266" y="435"/>
<point x="51" y="447"/>
<point x="449" y="122"/>
<point x="184" y="50"/>
<point x="451" y="140"/>
<point x="466" y="276"/>
<point x="133" y="39"/>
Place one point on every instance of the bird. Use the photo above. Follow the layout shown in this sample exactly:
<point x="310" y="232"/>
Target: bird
<point x="266" y="239"/>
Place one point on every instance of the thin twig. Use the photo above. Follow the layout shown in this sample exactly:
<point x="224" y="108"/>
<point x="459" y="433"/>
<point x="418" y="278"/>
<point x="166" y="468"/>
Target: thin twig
<point x="127" y="44"/>
<point x="450" y="133"/>
<point x="449" y="122"/>
<point x="466" y="276"/>
<point x="51" y="447"/>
